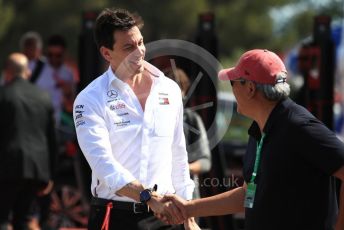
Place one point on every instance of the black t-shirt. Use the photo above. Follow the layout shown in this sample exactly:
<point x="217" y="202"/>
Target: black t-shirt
<point x="295" y="189"/>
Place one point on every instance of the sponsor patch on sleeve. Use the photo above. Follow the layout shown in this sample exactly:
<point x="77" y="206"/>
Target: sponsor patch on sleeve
<point x="79" y="107"/>
<point x="79" y="123"/>
<point x="78" y="111"/>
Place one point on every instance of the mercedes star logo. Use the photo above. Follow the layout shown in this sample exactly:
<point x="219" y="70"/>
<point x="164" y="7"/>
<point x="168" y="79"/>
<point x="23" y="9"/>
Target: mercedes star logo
<point x="112" y="93"/>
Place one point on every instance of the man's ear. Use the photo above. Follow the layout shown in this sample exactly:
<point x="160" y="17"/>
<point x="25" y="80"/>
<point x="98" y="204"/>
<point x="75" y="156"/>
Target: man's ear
<point x="251" y="89"/>
<point x="105" y="52"/>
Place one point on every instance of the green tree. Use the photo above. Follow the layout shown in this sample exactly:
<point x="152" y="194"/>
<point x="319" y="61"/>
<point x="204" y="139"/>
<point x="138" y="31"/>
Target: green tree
<point x="300" y="24"/>
<point x="240" y="24"/>
<point x="167" y="19"/>
<point x="245" y="24"/>
<point x="6" y="17"/>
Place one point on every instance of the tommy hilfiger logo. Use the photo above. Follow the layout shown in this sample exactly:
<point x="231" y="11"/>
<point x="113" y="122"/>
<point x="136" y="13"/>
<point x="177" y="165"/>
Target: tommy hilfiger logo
<point x="164" y="101"/>
<point x="163" y="98"/>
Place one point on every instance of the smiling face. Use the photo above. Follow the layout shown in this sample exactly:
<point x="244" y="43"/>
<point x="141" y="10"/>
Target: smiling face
<point x="128" y="52"/>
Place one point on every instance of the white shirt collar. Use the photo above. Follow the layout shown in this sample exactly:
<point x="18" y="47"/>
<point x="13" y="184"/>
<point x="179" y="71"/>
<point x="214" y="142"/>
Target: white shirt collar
<point x="113" y="79"/>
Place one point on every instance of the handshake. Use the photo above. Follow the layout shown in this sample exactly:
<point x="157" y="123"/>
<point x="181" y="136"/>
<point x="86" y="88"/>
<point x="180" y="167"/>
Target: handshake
<point x="172" y="209"/>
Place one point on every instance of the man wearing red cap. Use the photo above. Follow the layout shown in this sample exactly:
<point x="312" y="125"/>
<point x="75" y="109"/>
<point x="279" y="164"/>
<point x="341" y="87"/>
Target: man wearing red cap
<point x="290" y="161"/>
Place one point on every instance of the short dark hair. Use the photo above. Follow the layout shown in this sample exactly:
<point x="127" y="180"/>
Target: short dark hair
<point x="110" y="20"/>
<point x="57" y="40"/>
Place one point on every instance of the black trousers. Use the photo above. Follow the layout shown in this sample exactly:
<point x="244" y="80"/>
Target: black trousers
<point x="16" y="198"/>
<point x="126" y="220"/>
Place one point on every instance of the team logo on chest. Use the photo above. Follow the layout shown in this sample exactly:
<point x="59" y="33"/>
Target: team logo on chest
<point x="163" y="99"/>
<point x="119" y="105"/>
<point x="112" y="93"/>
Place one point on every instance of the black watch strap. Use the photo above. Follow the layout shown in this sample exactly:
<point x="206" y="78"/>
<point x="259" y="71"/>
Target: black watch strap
<point x="146" y="194"/>
<point x="155" y="188"/>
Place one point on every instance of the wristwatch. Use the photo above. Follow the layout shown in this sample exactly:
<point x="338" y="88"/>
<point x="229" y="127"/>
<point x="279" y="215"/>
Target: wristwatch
<point x="146" y="194"/>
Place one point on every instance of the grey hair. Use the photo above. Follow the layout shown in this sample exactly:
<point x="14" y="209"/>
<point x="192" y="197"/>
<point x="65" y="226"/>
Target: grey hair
<point x="280" y="90"/>
<point x="31" y="36"/>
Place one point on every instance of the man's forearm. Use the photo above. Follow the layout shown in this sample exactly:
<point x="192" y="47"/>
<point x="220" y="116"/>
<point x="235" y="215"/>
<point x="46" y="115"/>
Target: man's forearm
<point x="225" y="203"/>
<point x="131" y="190"/>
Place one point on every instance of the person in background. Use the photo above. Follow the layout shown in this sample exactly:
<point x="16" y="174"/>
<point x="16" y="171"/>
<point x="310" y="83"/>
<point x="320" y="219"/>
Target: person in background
<point x="31" y="45"/>
<point x="27" y="144"/>
<point x="57" y="78"/>
<point x="199" y="156"/>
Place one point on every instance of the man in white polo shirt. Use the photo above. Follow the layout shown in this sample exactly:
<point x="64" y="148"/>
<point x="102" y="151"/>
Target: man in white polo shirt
<point x="129" y="124"/>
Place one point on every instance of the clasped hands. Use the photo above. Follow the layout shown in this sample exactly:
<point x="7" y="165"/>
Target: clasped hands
<point x="171" y="209"/>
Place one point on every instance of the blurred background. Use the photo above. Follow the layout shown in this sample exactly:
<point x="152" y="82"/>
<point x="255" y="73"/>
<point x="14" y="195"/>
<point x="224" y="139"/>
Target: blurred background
<point x="240" y="24"/>
<point x="307" y="34"/>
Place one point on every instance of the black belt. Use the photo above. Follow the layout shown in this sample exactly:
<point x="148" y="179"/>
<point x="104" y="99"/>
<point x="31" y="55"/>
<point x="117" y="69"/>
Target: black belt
<point x="136" y="208"/>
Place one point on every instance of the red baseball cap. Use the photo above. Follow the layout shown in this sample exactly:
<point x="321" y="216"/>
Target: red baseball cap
<point x="256" y="65"/>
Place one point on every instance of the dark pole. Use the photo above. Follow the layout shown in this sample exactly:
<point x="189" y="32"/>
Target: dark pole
<point x="90" y="66"/>
<point x="205" y="92"/>
<point x="90" y="61"/>
<point x="317" y="64"/>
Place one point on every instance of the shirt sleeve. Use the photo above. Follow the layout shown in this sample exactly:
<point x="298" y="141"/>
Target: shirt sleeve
<point x="324" y="150"/>
<point x="181" y="180"/>
<point x="93" y="138"/>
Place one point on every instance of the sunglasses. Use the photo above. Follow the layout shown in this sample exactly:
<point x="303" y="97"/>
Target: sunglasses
<point x="241" y="80"/>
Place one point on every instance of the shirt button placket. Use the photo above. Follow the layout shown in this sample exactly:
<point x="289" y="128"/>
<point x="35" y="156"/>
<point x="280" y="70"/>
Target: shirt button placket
<point x="146" y="122"/>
